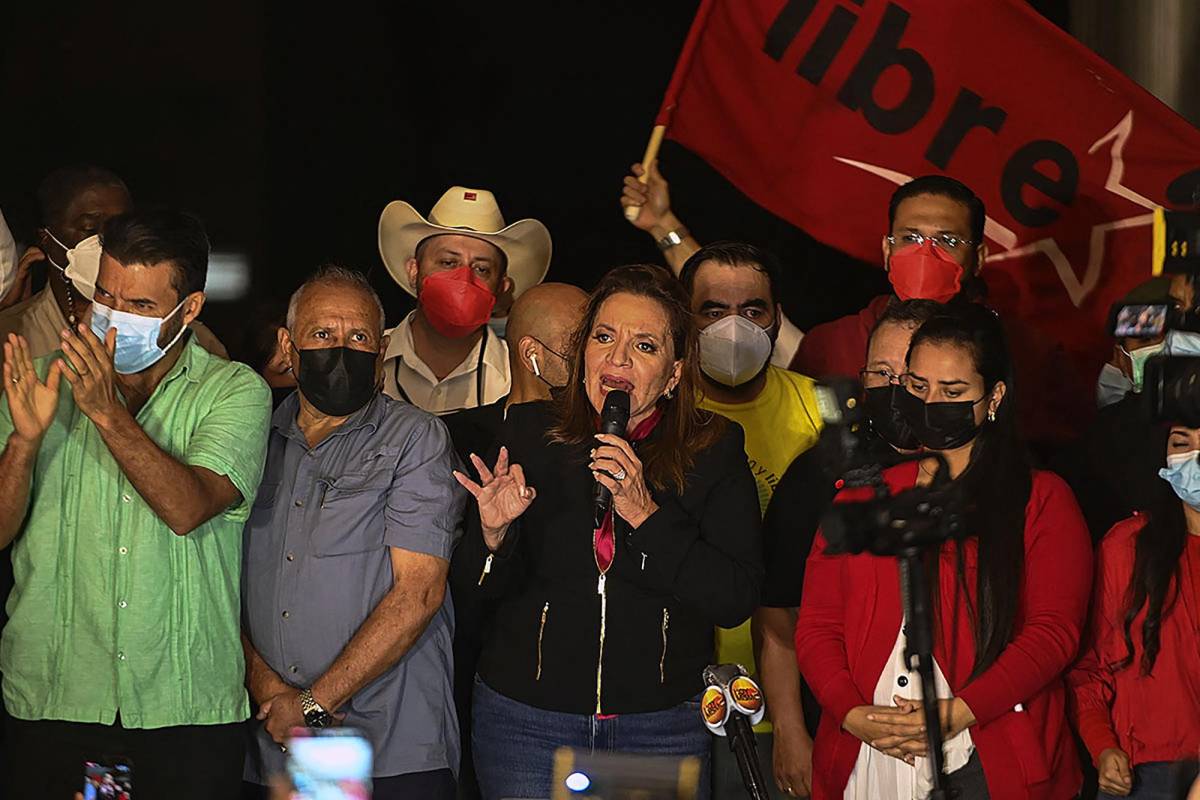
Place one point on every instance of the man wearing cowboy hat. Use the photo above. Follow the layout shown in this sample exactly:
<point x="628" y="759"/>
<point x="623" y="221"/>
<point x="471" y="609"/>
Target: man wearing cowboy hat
<point x="443" y="357"/>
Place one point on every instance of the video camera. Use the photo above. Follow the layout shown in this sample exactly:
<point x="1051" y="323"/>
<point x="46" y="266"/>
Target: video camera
<point x="875" y="519"/>
<point x="1171" y="384"/>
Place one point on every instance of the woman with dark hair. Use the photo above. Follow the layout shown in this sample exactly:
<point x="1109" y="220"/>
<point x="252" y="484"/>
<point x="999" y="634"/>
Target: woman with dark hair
<point x="1136" y="687"/>
<point x="601" y="633"/>
<point x="1009" y="601"/>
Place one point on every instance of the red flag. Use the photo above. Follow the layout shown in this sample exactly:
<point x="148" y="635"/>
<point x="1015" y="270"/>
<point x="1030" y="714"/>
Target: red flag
<point x="817" y="109"/>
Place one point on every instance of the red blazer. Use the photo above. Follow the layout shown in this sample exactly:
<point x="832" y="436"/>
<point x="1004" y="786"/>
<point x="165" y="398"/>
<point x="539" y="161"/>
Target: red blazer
<point x="851" y="613"/>
<point x="1155" y="718"/>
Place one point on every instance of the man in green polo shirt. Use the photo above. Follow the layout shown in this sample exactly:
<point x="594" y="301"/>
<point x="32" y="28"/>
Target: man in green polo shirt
<point x="131" y="457"/>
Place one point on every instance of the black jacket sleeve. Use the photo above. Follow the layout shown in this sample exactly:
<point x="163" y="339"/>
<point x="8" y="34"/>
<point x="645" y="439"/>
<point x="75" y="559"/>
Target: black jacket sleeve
<point x="710" y="557"/>
<point x="472" y="572"/>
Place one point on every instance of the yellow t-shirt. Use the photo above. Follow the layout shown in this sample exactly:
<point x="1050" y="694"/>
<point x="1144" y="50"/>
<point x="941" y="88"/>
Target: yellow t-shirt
<point x="780" y="424"/>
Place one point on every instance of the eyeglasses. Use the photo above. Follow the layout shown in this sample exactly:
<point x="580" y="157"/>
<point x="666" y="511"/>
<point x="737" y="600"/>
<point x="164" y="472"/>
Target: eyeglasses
<point x="943" y="240"/>
<point x="885" y="375"/>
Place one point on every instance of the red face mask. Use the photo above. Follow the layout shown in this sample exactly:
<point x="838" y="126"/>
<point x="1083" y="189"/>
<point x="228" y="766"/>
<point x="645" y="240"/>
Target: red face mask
<point x="924" y="272"/>
<point x="456" y="302"/>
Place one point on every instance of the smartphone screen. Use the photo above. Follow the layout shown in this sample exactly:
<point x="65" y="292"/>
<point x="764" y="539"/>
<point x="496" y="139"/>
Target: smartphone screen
<point x="330" y="764"/>
<point x="1140" y="321"/>
<point x="107" y="781"/>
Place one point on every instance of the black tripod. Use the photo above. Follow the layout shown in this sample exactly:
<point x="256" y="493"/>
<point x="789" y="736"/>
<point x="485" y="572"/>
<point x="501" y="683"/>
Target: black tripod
<point x="918" y="655"/>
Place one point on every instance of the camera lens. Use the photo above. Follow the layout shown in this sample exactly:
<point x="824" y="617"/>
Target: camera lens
<point x="1172" y="386"/>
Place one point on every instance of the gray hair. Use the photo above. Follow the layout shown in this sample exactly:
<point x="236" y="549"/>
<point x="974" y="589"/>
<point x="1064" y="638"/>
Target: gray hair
<point x="333" y="274"/>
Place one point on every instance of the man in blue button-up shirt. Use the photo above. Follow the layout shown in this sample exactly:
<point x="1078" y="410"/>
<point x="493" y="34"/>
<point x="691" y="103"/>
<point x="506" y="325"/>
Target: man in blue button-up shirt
<point x="346" y="554"/>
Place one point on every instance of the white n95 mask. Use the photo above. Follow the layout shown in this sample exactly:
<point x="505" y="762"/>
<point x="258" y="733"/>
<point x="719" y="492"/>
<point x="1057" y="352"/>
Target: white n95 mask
<point x="734" y="350"/>
<point x="83" y="264"/>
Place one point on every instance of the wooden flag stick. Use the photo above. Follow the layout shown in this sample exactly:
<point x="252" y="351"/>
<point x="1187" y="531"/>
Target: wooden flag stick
<point x="656" y="137"/>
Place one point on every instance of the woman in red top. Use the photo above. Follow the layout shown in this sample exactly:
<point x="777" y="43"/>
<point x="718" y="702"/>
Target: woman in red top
<point x="1010" y="603"/>
<point x="1136" y="687"/>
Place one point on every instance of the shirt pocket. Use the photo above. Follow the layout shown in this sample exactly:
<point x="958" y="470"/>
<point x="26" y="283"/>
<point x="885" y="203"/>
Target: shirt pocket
<point x="351" y="512"/>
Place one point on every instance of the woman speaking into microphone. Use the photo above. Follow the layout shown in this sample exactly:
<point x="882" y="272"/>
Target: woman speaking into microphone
<point x="604" y="626"/>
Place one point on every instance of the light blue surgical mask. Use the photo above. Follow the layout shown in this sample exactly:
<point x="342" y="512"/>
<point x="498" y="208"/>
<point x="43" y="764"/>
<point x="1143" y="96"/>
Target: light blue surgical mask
<point x="1182" y="343"/>
<point x="1112" y="386"/>
<point x="137" y="336"/>
<point x="1183" y="473"/>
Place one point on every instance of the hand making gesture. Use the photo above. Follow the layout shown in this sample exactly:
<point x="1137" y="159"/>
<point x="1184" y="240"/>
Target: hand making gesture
<point x="502" y="496"/>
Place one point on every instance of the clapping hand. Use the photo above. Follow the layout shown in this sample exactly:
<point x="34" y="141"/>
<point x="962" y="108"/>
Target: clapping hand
<point x="93" y="377"/>
<point x="31" y="401"/>
<point x="502" y="495"/>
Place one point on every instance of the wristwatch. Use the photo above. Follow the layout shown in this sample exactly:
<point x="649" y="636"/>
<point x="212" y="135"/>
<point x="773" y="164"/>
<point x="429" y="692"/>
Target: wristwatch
<point x="314" y="715"/>
<point x="672" y="238"/>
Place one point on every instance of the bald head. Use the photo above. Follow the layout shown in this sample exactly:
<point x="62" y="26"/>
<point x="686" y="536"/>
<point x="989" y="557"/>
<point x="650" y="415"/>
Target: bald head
<point x="540" y="325"/>
<point x="548" y="311"/>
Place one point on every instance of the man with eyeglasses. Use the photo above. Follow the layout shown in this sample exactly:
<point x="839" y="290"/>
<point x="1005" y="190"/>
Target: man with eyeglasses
<point x="934" y="250"/>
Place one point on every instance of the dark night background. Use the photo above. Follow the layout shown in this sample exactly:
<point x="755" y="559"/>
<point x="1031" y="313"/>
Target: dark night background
<point x="289" y="128"/>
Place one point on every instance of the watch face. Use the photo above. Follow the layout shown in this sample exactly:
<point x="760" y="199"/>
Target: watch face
<point x="318" y="719"/>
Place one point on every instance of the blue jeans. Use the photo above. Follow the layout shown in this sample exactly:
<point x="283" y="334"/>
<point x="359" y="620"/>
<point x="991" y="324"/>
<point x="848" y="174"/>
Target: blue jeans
<point x="1158" y="780"/>
<point x="514" y="743"/>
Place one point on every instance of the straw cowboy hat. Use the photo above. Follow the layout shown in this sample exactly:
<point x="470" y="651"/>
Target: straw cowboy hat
<point x="469" y="212"/>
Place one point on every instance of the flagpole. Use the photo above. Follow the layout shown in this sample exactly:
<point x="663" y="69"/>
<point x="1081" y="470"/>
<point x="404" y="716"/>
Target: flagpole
<point x="656" y="137"/>
<point x="668" y="103"/>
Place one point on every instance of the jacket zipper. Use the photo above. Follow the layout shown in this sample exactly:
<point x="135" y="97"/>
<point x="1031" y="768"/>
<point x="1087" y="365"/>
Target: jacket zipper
<point x="603" y="592"/>
<point x="487" y="567"/>
<point x="541" y="632"/>
<point x="662" y="661"/>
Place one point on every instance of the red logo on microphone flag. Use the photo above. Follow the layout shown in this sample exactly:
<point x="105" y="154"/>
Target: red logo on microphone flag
<point x="818" y="109"/>
<point x="714" y="707"/>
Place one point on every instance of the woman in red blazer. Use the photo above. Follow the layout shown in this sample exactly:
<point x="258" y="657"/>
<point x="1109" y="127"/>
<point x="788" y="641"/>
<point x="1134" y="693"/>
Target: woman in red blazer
<point x="1010" y="603"/>
<point x="1136" y="686"/>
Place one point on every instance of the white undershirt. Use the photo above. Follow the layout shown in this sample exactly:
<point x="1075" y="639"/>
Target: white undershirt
<point x="880" y="777"/>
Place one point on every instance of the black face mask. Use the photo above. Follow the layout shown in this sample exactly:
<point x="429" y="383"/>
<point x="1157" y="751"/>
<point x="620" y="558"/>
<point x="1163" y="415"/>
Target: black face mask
<point x="883" y="409"/>
<point x="939" y="426"/>
<point x="337" y="380"/>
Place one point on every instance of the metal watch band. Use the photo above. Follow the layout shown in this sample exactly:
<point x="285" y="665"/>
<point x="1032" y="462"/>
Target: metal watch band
<point x="314" y="715"/>
<point x="671" y="239"/>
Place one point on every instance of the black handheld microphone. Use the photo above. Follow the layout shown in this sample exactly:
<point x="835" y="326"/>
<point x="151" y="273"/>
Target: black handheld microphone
<point x="732" y="704"/>
<point x="614" y="419"/>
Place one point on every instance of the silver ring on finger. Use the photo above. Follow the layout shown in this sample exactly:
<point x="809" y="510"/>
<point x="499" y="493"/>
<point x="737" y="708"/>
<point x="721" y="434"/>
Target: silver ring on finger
<point x="619" y="476"/>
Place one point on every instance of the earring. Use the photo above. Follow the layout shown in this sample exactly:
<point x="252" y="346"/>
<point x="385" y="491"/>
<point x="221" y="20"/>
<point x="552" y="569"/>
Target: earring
<point x="991" y="415"/>
<point x="669" y="393"/>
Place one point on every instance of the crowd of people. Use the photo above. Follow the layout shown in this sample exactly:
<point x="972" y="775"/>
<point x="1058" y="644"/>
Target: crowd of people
<point x="394" y="530"/>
